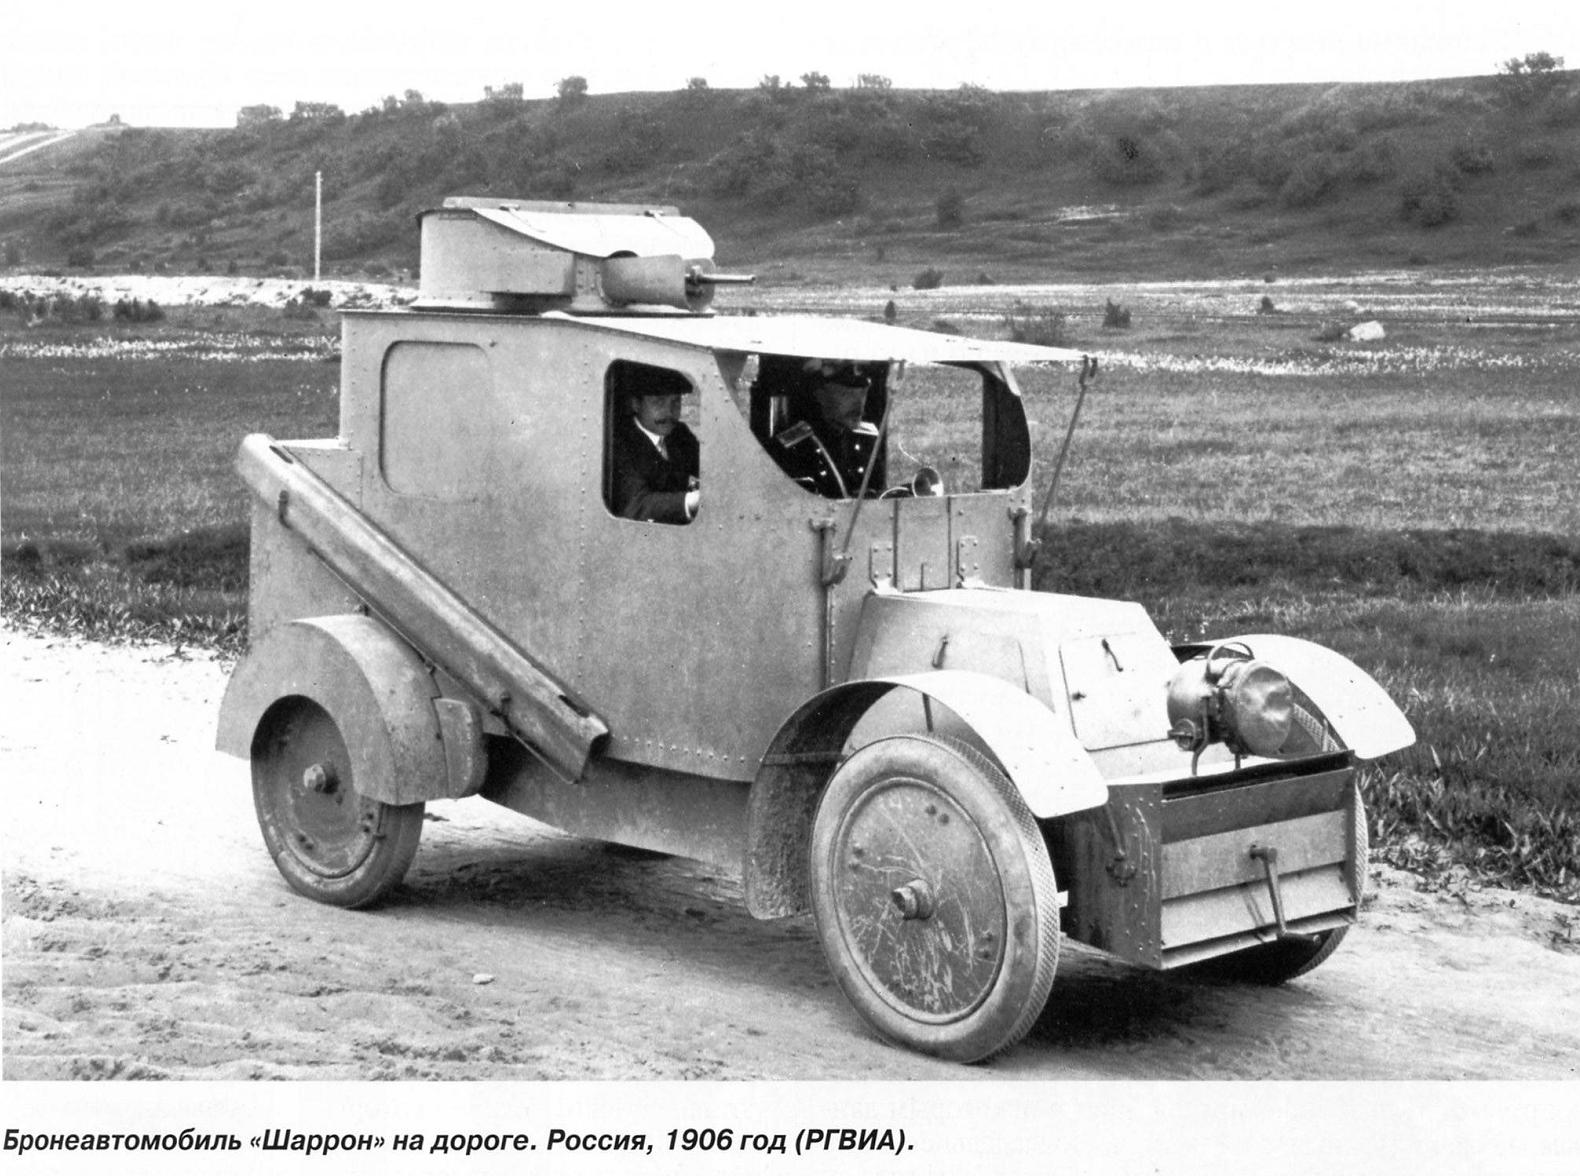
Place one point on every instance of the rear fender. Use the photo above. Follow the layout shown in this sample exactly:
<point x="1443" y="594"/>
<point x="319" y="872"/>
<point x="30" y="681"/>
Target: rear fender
<point x="1362" y="715"/>
<point x="408" y="744"/>
<point x="1037" y="751"/>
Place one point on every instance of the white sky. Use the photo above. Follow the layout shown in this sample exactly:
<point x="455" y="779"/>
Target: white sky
<point x="176" y="63"/>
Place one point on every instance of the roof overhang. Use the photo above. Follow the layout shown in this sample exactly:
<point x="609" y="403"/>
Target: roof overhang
<point x="826" y="338"/>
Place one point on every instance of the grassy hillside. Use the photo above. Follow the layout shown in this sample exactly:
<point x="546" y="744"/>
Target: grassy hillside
<point x="869" y="184"/>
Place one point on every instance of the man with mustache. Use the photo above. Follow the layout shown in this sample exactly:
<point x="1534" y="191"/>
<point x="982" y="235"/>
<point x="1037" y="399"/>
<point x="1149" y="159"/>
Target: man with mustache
<point x="656" y="457"/>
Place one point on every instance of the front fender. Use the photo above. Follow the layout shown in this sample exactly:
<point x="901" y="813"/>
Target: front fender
<point x="1039" y="753"/>
<point x="1360" y="711"/>
<point x="408" y="743"/>
<point x="1037" y="750"/>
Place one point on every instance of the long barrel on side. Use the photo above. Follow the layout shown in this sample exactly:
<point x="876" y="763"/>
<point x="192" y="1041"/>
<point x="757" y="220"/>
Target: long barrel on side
<point x="443" y="627"/>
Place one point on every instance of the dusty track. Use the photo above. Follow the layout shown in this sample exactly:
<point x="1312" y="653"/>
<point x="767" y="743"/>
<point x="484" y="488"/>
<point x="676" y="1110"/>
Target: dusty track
<point x="146" y="934"/>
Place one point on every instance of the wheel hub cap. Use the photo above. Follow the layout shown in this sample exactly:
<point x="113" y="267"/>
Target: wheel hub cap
<point x="920" y="906"/>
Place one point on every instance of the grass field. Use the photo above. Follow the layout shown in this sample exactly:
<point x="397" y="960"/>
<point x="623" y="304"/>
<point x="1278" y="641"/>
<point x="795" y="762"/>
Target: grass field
<point x="1410" y="502"/>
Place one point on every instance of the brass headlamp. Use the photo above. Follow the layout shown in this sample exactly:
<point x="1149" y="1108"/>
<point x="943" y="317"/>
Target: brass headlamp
<point x="1227" y="696"/>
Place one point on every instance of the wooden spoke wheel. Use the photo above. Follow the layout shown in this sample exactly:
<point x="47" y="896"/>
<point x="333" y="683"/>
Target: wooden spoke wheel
<point x="934" y="897"/>
<point x="329" y="841"/>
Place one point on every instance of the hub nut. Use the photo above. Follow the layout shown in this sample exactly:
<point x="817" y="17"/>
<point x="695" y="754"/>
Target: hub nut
<point x="914" y="900"/>
<point x="320" y="777"/>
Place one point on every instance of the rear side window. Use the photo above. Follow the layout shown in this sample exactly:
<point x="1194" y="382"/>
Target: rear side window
<point x="439" y="420"/>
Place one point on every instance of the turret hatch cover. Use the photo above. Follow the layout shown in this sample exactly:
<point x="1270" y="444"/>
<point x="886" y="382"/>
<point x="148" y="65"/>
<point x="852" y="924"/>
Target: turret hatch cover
<point x="646" y="234"/>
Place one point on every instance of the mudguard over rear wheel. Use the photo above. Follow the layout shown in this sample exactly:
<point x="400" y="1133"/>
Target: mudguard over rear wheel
<point x="934" y="897"/>
<point x="329" y="841"/>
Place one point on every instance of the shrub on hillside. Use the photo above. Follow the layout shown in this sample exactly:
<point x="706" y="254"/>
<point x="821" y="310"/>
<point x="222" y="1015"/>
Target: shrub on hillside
<point x="1131" y="159"/>
<point x="1116" y="316"/>
<point x="362" y="232"/>
<point x="70" y="310"/>
<point x="571" y="91"/>
<point x="1219" y="167"/>
<point x="554" y="180"/>
<point x="89" y="222"/>
<point x="1568" y="212"/>
<point x="135" y="310"/>
<point x="1472" y="157"/>
<point x="760" y="167"/>
<point x="634" y="141"/>
<point x="227" y="179"/>
<point x="1435" y="206"/>
<point x="1312" y="181"/>
<point x="1397" y="108"/>
<point x="955" y="142"/>
<point x="1376" y="161"/>
<point x="187" y="214"/>
<point x="1125" y="139"/>
<point x="969" y="105"/>
<point x="1532" y="156"/>
<point x="1526" y="80"/>
<point x="1562" y="109"/>
<point x="929" y="279"/>
<point x="1430" y="198"/>
<point x="1046" y="326"/>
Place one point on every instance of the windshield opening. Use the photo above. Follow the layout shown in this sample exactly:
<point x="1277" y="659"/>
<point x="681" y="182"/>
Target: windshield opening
<point x="951" y="429"/>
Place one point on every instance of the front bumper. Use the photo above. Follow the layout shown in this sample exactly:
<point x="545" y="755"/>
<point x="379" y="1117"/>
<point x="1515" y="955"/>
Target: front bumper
<point x="1172" y="873"/>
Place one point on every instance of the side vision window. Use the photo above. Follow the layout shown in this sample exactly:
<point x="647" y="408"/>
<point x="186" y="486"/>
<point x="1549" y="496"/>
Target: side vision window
<point x="652" y="459"/>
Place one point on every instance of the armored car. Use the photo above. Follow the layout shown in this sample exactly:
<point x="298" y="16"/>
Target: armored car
<point x="844" y="689"/>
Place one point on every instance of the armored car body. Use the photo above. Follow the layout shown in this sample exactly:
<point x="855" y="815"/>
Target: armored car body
<point x="845" y="691"/>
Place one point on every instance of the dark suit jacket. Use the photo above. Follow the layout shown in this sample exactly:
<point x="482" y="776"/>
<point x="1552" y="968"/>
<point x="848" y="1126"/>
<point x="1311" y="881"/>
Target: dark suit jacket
<point x="645" y="486"/>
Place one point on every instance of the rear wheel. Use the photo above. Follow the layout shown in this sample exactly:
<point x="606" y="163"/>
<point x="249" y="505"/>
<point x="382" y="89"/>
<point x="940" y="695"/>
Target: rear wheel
<point x="329" y="841"/>
<point x="934" y="897"/>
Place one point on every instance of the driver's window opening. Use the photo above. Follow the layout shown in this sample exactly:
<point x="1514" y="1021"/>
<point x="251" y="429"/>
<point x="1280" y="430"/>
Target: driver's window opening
<point x="652" y="459"/>
<point x="950" y="430"/>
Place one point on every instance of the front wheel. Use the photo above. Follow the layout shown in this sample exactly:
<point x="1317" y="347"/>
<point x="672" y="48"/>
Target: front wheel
<point x="329" y="841"/>
<point x="934" y="897"/>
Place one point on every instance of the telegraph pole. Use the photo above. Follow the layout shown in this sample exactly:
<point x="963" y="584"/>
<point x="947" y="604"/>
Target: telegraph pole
<point x="318" y="223"/>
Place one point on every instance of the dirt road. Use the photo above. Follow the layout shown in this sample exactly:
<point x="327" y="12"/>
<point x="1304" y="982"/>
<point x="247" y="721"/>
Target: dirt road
<point x="146" y="934"/>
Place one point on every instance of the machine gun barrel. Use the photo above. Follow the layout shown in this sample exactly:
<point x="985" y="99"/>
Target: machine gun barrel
<point x="710" y="278"/>
<point x="443" y="628"/>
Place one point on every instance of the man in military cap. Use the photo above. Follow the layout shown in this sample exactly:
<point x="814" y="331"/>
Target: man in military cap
<point x="830" y="447"/>
<point x="655" y="457"/>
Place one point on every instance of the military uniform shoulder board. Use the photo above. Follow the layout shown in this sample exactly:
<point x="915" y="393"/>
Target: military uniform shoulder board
<point x="866" y="429"/>
<point x="794" y="435"/>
